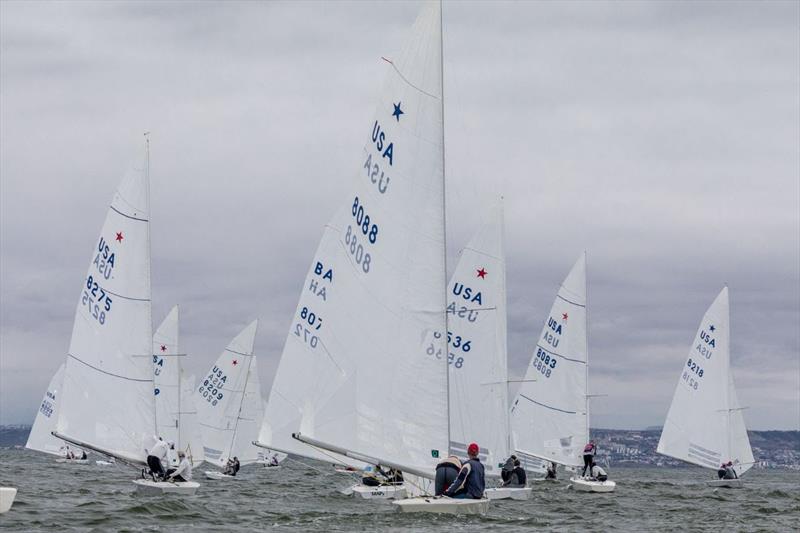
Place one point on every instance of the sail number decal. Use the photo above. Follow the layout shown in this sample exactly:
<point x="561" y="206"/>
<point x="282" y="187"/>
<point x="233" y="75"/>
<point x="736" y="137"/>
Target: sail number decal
<point x="307" y="336"/>
<point x="363" y="221"/>
<point x="211" y="389"/>
<point x="47" y="406"/>
<point x="457" y="342"/>
<point x="311" y="318"/>
<point x="97" y="300"/>
<point x="356" y="249"/>
<point x="104" y="260"/>
<point x="692" y="374"/>
<point x="544" y="362"/>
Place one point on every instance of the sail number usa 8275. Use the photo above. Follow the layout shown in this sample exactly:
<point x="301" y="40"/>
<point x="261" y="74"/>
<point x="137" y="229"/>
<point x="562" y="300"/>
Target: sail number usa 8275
<point x="97" y="300"/>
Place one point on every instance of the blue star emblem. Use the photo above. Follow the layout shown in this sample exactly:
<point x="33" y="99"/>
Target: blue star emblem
<point x="712" y="328"/>
<point x="397" y="111"/>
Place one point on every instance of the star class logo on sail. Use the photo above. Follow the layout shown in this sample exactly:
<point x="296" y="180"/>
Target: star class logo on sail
<point x="383" y="150"/>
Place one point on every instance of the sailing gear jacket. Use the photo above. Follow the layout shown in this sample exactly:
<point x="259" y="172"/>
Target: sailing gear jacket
<point x="470" y="481"/>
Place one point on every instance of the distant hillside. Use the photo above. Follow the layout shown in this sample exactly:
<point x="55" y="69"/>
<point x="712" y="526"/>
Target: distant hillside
<point x="11" y="436"/>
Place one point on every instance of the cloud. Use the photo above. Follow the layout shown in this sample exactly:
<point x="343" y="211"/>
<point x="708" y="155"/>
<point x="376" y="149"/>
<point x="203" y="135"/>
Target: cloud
<point x="660" y="137"/>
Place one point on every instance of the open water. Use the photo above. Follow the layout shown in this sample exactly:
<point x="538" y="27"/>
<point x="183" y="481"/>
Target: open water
<point x="55" y="497"/>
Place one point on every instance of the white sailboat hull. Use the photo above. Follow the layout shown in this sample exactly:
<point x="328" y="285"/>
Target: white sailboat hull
<point x="150" y="487"/>
<point x="104" y="463"/>
<point x="443" y="505"/>
<point x="73" y="461"/>
<point x="387" y="492"/>
<point x="213" y="474"/>
<point x="726" y="483"/>
<point x="587" y="485"/>
<point x="7" y="495"/>
<point x="508" y="493"/>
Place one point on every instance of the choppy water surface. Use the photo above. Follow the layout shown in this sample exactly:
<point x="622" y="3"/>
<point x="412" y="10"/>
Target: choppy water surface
<point x="56" y="497"/>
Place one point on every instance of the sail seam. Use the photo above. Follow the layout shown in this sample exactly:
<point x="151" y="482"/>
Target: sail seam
<point x="559" y="355"/>
<point x="406" y="79"/>
<point x="547" y="406"/>
<point x="570" y="301"/>
<point x="109" y="373"/>
<point x="127" y="216"/>
<point x="127" y="297"/>
<point x="239" y="353"/>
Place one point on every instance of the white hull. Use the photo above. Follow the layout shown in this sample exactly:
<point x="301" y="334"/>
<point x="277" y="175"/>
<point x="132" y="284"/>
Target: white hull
<point x="104" y="463"/>
<point x="148" y="486"/>
<point x="347" y="471"/>
<point x="508" y="493"/>
<point x="213" y="474"/>
<point x="73" y="461"/>
<point x="387" y="492"/>
<point x="726" y="483"/>
<point x="443" y="505"/>
<point x="586" y="485"/>
<point x="7" y="495"/>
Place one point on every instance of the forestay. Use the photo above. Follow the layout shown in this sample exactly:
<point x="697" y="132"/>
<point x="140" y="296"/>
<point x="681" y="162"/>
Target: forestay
<point x="477" y="339"/>
<point x="107" y="399"/>
<point x="40" y="437"/>
<point x="229" y="402"/>
<point x="355" y="370"/>
<point x="705" y="425"/>
<point x="548" y="417"/>
<point x="175" y="410"/>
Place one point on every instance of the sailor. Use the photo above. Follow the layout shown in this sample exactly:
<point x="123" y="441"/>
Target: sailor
<point x="184" y="470"/>
<point x="508" y="467"/>
<point x="447" y="472"/>
<point x="730" y="473"/>
<point x="597" y="473"/>
<point x="518" y="477"/>
<point x="589" y="451"/>
<point x="273" y="461"/>
<point x="551" y="471"/>
<point x="370" y="479"/>
<point x="157" y="458"/>
<point x="721" y="471"/>
<point x="232" y="467"/>
<point x="83" y="455"/>
<point x="393" y="476"/>
<point x="471" y="480"/>
<point x="68" y="454"/>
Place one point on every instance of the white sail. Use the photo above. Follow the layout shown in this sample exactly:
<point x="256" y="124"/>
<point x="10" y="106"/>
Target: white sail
<point x="107" y="398"/>
<point x="40" y="437"/>
<point x="548" y="417"/>
<point x="354" y="371"/>
<point x="705" y="425"/>
<point x="477" y="354"/>
<point x="176" y="415"/>
<point x="225" y="402"/>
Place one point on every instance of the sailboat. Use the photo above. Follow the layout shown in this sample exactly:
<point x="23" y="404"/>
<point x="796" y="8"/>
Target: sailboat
<point x="40" y="438"/>
<point x="477" y="354"/>
<point x="107" y="400"/>
<point x="176" y="415"/>
<point x="550" y="414"/>
<point x="230" y="405"/>
<point x="704" y="425"/>
<point x="382" y="266"/>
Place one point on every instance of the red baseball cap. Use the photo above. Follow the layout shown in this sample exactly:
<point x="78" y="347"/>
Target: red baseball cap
<point x="473" y="449"/>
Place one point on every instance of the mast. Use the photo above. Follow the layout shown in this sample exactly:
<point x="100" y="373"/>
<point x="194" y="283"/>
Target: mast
<point x="149" y="262"/>
<point x="180" y="371"/>
<point x="586" y="319"/>
<point x="728" y="377"/>
<point x="444" y="224"/>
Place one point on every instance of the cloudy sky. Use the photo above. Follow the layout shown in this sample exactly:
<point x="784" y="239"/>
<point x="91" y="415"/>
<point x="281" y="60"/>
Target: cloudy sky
<point x="662" y="137"/>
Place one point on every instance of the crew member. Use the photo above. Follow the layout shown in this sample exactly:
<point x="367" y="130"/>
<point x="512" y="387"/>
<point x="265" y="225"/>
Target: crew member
<point x="471" y="480"/>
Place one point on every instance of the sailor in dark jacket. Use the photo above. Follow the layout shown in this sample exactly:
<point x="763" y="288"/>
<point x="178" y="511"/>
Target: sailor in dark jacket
<point x="447" y="472"/>
<point x="471" y="480"/>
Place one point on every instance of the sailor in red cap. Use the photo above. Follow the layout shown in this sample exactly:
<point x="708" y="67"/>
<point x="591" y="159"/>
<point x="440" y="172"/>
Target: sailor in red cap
<point x="471" y="480"/>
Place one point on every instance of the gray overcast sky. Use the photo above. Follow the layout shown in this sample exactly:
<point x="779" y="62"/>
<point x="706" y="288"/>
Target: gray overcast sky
<point x="662" y="137"/>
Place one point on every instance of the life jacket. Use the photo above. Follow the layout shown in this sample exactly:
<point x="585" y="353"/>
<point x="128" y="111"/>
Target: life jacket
<point x="588" y="449"/>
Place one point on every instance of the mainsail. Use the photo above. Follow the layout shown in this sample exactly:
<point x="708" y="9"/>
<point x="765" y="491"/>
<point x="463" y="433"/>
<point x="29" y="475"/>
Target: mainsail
<point x="549" y="416"/>
<point x="40" y="437"/>
<point x="174" y="393"/>
<point x="705" y="425"/>
<point x="477" y="339"/>
<point x="107" y="399"/>
<point x="355" y="370"/>
<point x="229" y="402"/>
